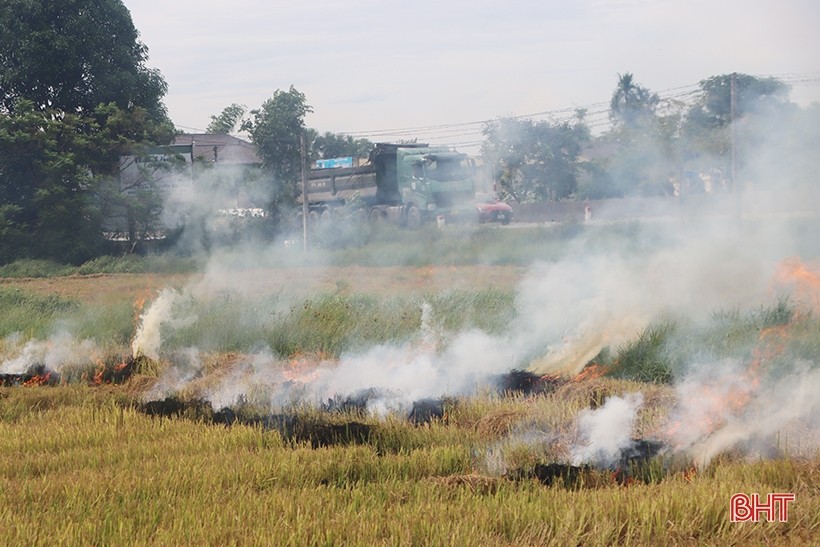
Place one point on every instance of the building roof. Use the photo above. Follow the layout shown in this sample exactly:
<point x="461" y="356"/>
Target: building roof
<point x="222" y="149"/>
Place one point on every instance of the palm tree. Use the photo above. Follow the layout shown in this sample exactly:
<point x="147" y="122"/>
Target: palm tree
<point x="631" y="102"/>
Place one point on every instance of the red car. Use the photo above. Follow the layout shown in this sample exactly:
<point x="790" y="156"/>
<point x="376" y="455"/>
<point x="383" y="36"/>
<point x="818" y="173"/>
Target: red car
<point x="492" y="210"/>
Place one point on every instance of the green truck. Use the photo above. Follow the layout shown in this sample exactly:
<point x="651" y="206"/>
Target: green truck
<point x="405" y="184"/>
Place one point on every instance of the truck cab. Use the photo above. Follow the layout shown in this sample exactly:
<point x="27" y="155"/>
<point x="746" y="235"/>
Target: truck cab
<point x="427" y="181"/>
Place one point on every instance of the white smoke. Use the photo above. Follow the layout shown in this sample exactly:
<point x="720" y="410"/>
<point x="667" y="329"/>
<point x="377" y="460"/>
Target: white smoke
<point x="723" y="408"/>
<point x="187" y="366"/>
<point x="148" y="338"/>
<point x="58" y="352"/>
<point x="607" y="430"/>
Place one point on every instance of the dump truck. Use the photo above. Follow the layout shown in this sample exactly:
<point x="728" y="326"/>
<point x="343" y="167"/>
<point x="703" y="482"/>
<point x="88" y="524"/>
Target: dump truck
<point x="405" y="184"/>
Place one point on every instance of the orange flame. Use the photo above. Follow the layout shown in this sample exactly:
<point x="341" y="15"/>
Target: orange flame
<point x="38" y="380"/>
<point x="719" y="400"/>
<point x="803" y="280"/>
<point x="590" y="372"/>
<point x="304" y="368"/>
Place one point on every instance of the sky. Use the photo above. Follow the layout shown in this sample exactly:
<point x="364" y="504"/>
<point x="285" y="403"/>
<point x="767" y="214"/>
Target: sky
<point x="434" y="70"/>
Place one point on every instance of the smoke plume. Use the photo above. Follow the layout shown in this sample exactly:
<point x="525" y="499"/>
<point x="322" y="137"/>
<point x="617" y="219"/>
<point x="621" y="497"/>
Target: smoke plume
<point x="607" y="431"/>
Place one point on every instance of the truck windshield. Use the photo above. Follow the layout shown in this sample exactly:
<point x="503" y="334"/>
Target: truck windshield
<point x="446" y="170"/>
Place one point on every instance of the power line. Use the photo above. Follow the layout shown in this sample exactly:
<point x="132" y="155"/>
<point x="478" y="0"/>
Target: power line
<point x="596" y="115"/>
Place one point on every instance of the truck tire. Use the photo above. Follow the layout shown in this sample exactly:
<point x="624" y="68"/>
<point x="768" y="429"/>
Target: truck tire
<point x="412" y="217"/>
<point x="376" y="216"/>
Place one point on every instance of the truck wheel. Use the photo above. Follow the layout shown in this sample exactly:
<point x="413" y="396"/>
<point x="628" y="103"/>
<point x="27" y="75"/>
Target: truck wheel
<point x="376" y="216"/>
<point x="412" y="217"/>
<point x="313" y="218"/>
<point x="326" y="216"/>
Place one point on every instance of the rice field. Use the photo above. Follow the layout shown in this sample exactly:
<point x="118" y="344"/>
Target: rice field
<point x="87" y="459"/>
<point x="81" y="466"/>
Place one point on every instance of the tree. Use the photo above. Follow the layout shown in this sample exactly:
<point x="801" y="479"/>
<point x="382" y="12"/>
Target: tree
<point x="48" y="210"/>
<point x="276" y="128"/>
<point x="761" y="106"/>
<point x="75" y="95"/>
<point x="631" y="104"/>
<point x="334" y="145"/>
<point x="714" y="106"/>
<point x="73" y="55"/>
<point x="228" y="120"/>
<point x="535" y="161"/>
<point x="59" y="177"/>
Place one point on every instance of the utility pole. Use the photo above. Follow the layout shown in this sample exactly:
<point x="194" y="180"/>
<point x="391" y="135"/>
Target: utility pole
<point x="732" y="116"/>
<point x="303" y="154"/>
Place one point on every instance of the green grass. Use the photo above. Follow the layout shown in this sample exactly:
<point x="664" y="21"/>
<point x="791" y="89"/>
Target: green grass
<point x="661" y="352"/>
<point x="330" y="323"/>
<point x="31" y="315"/>
<point x="389" y="246"/>
<point x="164" y="263"/>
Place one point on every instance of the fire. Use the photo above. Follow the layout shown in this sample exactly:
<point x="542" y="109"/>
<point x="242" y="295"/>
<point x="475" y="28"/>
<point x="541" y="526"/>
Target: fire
<point x="304" y="368"/>
<point x="98" y="376"/>
<point x="590" y="372"/>
<point x="727" y="397"/>
<point x="38" y="379"/>
<point x="139" y="304"/>
<point x="803" y="280"/>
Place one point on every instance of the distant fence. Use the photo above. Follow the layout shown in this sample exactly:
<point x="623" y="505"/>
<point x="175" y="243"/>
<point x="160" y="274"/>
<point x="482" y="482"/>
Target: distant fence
<point x="696" y="205"/>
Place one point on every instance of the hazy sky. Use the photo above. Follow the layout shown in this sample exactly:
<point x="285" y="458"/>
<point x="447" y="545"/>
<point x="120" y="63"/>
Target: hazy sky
<point x="369" y="65"/>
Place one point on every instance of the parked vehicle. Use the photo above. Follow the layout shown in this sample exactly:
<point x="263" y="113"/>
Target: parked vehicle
<point x="492" y="210"/>
<point x="405" y="184"/>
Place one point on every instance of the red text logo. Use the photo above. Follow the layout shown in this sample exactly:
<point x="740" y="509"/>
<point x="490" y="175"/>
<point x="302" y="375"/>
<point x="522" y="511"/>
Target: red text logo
<point x="744" y="508"/>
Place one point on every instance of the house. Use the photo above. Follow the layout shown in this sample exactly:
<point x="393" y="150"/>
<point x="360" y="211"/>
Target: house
<point x="226" y="170"/>
<point x="220" y="149"/>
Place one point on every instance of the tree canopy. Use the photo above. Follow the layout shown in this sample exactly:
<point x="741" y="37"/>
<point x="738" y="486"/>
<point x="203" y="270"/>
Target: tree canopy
<point x="631" y="103"/>
<point x="276" y="129"/>
<point x="75" y="95"/>
<point x="334" y="145"/>
<point x="228" y="120"/>
<point x="535" y="161"/>
<point x="73" y="55"/>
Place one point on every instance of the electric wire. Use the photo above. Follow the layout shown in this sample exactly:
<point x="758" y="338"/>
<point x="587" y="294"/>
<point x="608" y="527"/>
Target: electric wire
<point x="596" y="116"/>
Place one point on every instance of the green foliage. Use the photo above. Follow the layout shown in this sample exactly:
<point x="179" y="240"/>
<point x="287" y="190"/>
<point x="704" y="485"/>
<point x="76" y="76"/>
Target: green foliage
<point x="644" y="157"/>
<point x="334" y="145"/>
<point x="329" y="324"/>
<point x="276" y="129"/>
<point x="632" y="104"/>
<point x="535" y="161"/>
<point x="32" y="267"/>
<point x="55" y="183"/>
<point x="660" y="353"/>
<point x="73" y="100"/>
<point x="228" y="120"/>
<point x="45" y="186"/>
<point x="648" y="358"/>
<point x="164" y="263"/>
<point x="31" y="314"/>
<point x="72" y="56"/>
<point x="714" y="107"/>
